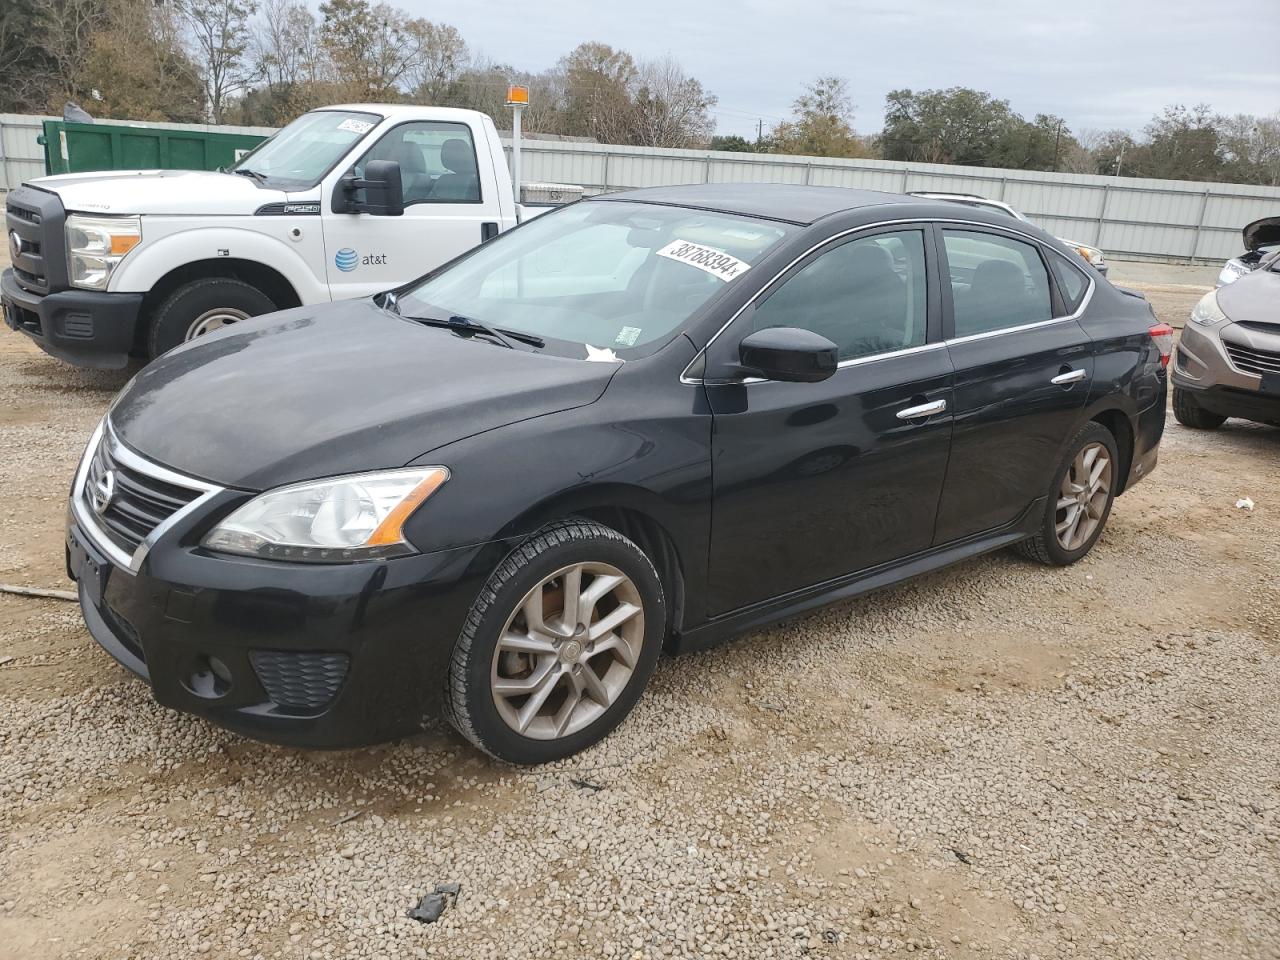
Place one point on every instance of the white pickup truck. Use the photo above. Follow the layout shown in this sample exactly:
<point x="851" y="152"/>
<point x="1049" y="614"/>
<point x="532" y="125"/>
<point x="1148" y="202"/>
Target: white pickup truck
<point x="344" y="202"/>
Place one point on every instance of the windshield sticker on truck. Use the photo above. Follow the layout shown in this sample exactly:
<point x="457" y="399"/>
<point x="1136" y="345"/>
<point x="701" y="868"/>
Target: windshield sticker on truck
<point x="627" y="336"/>
<point x="355" y="126"/>
<point x="709" y="259"/>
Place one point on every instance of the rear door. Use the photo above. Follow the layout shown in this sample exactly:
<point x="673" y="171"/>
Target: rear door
<point x="1023" y="367"/>
<point x="814" y="481"/>
<point x="451" y="203"/>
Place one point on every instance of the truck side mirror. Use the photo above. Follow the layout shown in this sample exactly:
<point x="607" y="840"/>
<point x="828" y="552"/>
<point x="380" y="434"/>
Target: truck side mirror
<point x="383" y="192"/>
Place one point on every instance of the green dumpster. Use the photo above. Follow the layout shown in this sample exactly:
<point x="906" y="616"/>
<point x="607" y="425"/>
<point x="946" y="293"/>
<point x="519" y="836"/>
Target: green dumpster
<point x="80" y="147"/>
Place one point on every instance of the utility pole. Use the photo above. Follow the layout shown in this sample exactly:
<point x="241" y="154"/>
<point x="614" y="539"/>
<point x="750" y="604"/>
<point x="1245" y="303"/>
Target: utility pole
<point x="1057" y="140"/>
<point x="759" y="130"/>
<point x="1120" y="159"/>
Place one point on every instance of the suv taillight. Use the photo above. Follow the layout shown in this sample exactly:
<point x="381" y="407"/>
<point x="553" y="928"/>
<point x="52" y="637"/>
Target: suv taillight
<point x="1162" y="336"/>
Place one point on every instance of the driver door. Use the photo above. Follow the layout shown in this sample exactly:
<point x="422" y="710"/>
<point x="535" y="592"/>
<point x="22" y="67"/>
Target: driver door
<point x="450" y="205"/>
<point x="815" y="481"/>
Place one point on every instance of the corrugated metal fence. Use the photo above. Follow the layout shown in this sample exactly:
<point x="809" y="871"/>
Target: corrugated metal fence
<point x="1161" y="219"/>
<point x="1164" y="219"/>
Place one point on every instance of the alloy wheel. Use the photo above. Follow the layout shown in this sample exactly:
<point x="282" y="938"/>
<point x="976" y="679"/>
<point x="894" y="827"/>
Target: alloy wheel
<point x="1083" y="497"/>
<point x="567" y="651"/>
<point x="212" y="320"/>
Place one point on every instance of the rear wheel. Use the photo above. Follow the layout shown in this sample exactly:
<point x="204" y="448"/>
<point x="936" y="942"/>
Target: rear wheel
<point x="1189" y="413"/>
<point x="1080" y="499"/>
<point x="558" y="646"/>
<point x="201" y="307"/>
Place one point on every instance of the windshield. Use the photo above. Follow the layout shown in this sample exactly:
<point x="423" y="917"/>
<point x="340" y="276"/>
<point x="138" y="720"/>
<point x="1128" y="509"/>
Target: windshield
<point x="304" y="151"/>
<point x="613" y="276"/>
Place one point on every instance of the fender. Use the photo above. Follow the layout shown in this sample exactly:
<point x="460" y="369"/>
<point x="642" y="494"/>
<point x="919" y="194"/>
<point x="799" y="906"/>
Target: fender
<point x="141" y="271"/>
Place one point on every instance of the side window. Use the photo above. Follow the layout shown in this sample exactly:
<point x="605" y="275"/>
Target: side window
<point x="996" y="282"/>
<point x="867" y="296"/>
<point x="1072" y="283"/>
<point x="437" y="161"/>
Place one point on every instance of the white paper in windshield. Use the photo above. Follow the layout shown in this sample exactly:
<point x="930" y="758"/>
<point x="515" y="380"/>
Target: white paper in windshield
<point x="713" y="261"/>
<point x="355" y="126"/>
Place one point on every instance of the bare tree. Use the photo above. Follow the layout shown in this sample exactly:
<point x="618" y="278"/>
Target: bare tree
<point x="220" y="36"/>
<point x="442" y="56"/>
<point x="371" y="46"/>
<point x="68" y="27"/>
<point x="670" y="108"/>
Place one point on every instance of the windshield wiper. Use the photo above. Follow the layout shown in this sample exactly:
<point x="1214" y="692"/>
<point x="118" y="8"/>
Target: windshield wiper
<point x="465" y="324"/>
<point x="246" y="172"/>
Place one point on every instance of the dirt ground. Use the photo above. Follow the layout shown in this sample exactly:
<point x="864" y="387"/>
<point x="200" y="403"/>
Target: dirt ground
<point x="996" y="761"/>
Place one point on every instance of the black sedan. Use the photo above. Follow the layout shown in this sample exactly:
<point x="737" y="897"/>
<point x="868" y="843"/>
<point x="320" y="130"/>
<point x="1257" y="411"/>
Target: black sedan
<point x="644" y="422"/>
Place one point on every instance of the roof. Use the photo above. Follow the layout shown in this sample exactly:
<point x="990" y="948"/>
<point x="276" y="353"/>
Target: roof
<point x="412" y="110"/>
<point x="773" y="201"/>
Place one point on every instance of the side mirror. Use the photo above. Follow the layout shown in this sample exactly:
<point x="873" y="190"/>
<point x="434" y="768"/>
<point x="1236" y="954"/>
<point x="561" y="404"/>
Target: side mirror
<point x="383" y="191"/>
<point x="789" y="354"/>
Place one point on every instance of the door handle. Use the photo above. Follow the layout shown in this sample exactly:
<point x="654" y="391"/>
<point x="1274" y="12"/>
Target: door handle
<point x="1071" y="376"/>
<point x="488" y="231"/>
<point x="924" y="410"/>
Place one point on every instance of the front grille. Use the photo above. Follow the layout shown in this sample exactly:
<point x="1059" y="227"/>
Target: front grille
<point x="300" y="681"/>
<point x="1250" y="360"/>
<point x="21" y="213"/>
<point x="132" y="503"/>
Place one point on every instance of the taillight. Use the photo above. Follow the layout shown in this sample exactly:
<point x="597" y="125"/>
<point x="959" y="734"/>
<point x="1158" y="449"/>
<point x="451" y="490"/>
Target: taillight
<point x="1162" y="337"/>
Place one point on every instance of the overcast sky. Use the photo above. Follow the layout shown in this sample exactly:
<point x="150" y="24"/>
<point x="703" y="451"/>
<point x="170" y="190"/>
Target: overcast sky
<point x="1097" y="63"/>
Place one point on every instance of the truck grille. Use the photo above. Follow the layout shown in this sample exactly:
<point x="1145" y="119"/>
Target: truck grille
<point x="122" y="499"/>
<point x="1250" y="360"/>
<point x="300" y="681"/>
<point x="36" y="218"/>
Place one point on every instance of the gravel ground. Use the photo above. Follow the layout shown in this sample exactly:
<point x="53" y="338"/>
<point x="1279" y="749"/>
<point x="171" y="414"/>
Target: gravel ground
<point x="999" y="760"/>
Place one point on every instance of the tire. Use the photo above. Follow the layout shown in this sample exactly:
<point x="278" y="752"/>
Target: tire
<point x="1189" y="413"/>
<point x="1058" y="548"/>
<point x="607" y="682"/>
<point x="196" y="308"/>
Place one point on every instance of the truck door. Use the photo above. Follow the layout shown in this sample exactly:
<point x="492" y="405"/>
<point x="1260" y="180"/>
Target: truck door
<point x="451" y="203"/>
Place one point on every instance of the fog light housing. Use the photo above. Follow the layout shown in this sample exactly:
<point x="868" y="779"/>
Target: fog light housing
<point x="209" y="679"/>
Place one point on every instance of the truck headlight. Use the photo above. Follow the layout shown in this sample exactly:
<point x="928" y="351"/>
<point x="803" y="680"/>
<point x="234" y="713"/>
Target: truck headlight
<point x="1207" y="313"/>
<point x="1092" y="254"/>
<point x="342" y="519"/>
<point x="96" y="245"/>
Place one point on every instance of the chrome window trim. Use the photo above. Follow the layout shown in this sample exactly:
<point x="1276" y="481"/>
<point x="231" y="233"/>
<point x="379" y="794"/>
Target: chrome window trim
<point x="121" y="454"/>
<point x="1079" y="311"/>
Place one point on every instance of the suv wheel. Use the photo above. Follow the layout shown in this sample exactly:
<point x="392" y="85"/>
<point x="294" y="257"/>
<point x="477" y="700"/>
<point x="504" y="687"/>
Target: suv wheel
<point x="558" y="646"/>
<point x="1084" y="487"/>
<point x="1190" y="414"/>
<point x="201" y="307"/>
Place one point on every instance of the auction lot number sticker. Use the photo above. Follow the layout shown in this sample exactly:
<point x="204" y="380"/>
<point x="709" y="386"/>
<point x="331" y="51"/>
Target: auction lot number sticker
<point x="713" y="261"/>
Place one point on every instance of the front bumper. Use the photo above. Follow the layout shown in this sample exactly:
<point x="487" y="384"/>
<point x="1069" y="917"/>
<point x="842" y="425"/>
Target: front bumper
<point x="1203" y="366"/>
<point x="82" y="327"/>
<point x="304" y="654"/>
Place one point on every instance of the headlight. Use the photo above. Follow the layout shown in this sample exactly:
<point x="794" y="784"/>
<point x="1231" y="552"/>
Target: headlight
<point x="1207" y="312"/>
<point x="1091" y="254"/>
<point x="1232" y="270"/>
<point x="329" y="521"/>
<point x="95" y="245"/>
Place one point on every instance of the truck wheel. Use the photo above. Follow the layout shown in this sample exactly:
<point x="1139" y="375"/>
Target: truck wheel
<point x="201" y="307"/>
<point x="558" y="646"/>
<point x="1190" y="414"/>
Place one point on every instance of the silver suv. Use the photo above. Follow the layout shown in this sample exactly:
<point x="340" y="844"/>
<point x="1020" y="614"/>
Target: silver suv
<point x="1228" y="359"/>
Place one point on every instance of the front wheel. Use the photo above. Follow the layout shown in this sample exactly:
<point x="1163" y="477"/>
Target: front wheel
<point x="201" y="307"/>
<point x="558" y="646"/>
<point x="1189" y="413"/>
<point x="1080" y="499"/>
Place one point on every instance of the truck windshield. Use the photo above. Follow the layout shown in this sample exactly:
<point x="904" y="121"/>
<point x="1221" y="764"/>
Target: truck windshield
<point x="612" y="275"/>
<point x="304" y="151"/>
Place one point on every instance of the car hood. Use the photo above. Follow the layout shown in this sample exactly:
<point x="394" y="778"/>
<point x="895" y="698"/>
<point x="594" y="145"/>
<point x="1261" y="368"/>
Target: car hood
<point x="189" y="192"/>
<point x="1254" y="298"/>
<point x="333" y="389"/>
<point x="1262" y="233"/>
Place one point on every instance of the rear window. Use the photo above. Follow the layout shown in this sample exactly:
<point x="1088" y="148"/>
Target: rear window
<point x="1072" y="283"/>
